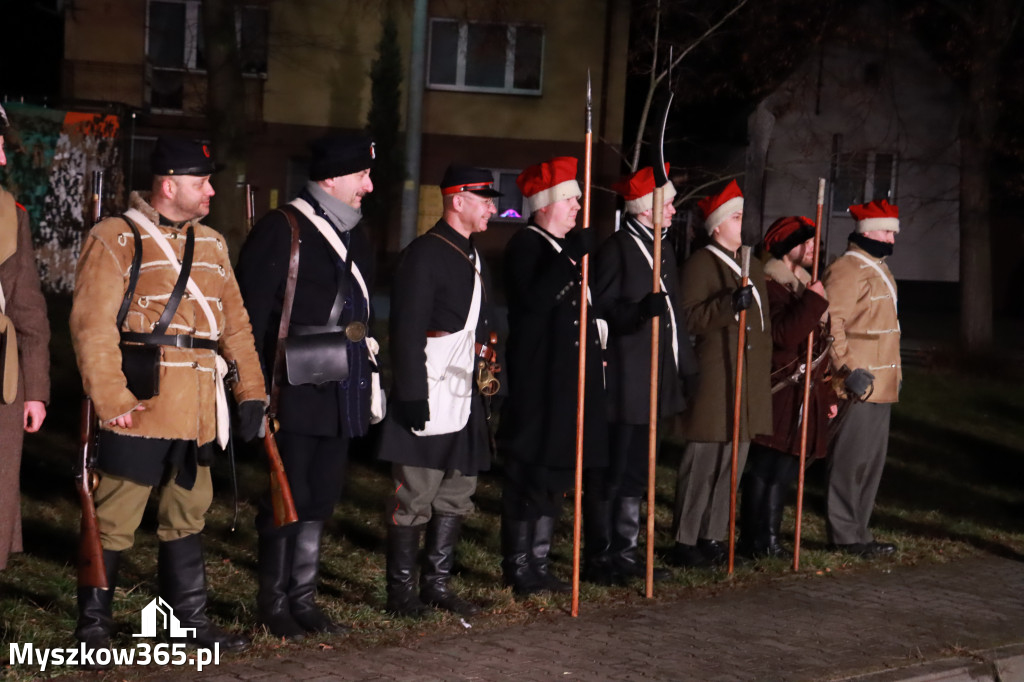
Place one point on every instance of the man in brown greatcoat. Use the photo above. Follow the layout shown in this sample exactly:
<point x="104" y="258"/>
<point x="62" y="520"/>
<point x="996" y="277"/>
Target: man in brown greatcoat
<point x="24" y="355"/>
<point x="164" y="441"/>
<point x="712" y="297"/>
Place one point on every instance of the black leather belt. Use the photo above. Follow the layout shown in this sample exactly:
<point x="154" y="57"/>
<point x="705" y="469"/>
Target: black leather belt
<point x="176" y="340"/>
<point x="353" y="331"/>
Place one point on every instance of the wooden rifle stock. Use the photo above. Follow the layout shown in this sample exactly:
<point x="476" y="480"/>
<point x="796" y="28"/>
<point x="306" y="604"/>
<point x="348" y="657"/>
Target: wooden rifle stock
<point x="91" y="572"/>
<point x="280" y="491"/>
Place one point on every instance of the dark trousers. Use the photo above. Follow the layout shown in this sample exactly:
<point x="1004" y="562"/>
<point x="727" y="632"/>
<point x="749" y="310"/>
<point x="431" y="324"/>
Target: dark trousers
<point x="855" y="462"/>
<point x="316" y="468"/>
<point x="626" y="475"/>
<point x="772" y="466"/>
<point x="527" y="492"/>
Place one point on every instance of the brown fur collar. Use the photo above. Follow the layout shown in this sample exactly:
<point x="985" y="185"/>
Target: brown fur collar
<point x="796" y="282"/>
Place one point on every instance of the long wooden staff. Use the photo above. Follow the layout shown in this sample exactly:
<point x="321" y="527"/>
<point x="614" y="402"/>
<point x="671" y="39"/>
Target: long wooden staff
<point x="652" y="428"/>
<point x="808" y="370"/>
<point x="737" y="404"/>
<point x="581" y="388"/>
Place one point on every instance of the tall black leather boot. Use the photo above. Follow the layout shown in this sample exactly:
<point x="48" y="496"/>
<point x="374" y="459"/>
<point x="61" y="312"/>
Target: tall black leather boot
<point x="182" y="580"/>
<point x="95" y="614"/>
<point x="516" y="539"/>
<point x="540" y="548"/>
<point x="302" y="588"/>
<point x="776" y="504"/>
<point x="597" y="541"/>
<point x="438" y="559"/>
<point x="402" y="548"/>
<point x="626" y="560"/>
<point x="754" y="516"/>
<point x="275" y="569"/>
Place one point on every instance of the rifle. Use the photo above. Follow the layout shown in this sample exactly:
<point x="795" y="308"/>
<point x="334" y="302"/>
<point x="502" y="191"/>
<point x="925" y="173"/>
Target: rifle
<point x="250" y="206"/>
<point x="280" y="492"/>
<point x="91" y="571"/>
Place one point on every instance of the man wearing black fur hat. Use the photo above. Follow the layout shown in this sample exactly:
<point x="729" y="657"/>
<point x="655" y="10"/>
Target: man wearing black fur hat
<point x="320" y="364"/>
<point x="435" y="433"/>
<point x="181" y="301"/>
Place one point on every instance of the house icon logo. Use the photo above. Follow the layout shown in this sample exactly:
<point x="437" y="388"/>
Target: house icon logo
<point x="159" y="612"/>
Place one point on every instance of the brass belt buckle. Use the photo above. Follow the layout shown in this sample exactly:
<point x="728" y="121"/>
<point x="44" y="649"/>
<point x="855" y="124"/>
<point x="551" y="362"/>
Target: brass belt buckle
<point x="355" y="331"/>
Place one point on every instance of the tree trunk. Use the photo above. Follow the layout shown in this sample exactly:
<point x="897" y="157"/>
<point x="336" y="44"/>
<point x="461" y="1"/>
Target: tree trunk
<point x="225" y="110"/>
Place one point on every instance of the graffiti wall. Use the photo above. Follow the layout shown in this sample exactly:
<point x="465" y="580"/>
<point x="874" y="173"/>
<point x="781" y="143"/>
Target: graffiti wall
<point x="51" y="156"/>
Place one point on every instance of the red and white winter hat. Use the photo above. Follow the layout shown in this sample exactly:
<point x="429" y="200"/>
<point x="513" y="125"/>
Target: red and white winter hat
<point x="545" y="183"/>
<point x="718" y="207"/>
<point x="876" y="215"/>
<point x="638" y="190"/>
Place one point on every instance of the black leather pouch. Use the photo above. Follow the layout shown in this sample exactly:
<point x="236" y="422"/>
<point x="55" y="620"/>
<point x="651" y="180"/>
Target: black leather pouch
<point x="140" y="364"/>
<point x="316" y="358"/>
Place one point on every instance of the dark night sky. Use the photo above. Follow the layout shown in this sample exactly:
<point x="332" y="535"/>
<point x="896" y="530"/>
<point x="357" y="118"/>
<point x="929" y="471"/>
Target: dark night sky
<point x="31" y="50"/>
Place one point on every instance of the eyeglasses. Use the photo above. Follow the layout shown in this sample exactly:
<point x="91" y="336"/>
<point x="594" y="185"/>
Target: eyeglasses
<point x="487" y="201"/>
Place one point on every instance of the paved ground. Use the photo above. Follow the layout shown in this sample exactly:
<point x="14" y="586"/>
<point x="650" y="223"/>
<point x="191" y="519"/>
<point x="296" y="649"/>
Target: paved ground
<point x="953" y="622"/>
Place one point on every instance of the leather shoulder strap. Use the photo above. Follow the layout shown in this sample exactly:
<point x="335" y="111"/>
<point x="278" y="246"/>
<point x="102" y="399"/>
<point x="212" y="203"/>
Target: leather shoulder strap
<point x="277" y="372"/>
<point x="133" y="277"/>
<point x="179" y="286"/>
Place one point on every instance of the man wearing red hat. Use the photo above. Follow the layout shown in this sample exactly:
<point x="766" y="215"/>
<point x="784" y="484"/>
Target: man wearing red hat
<point x="712" y="297"/>
<point x="798" y="306"/>
<point x="435" y="432"/>
<point x="537" y="438"/>
<point x="318" y="411"/>
<point x="623" y="271"/>
<point x="866" y="358"/>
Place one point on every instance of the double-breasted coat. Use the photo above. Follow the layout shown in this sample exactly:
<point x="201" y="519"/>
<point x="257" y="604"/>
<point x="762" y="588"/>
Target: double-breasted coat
<point x="622" y="276"/>
<point x="795" y="313"/>
<point x="432" y="291"/>
<point x="185" y="408"/>
<point x="332" y="408"/>
<point x="707" y="288"/>
<point x="538" y="419"/>
<point x="25" y="310"/>
<point x="864" y="321"/>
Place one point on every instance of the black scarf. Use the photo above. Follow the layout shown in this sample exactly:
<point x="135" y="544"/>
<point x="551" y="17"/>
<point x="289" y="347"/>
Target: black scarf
<point x="872" y="246"/>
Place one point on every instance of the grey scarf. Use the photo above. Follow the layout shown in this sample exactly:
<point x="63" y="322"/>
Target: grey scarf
<point x="341" y="215"/>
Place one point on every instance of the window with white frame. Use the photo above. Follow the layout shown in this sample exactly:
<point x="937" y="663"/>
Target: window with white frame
<point x="860" y="177"/>
<point x="175" y="46"/>
<point x="485" y="57"/>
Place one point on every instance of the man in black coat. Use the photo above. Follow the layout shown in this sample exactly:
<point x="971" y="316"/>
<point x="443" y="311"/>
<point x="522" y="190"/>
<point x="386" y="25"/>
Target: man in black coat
<point x="537" y="437"/>
<point x="318" y="416"/>
<point x="623" y="282"/>
<point x="435" y="433"/>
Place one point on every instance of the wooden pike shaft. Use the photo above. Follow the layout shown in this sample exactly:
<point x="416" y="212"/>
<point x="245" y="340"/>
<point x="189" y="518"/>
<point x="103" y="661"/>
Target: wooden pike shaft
<point x="652" y="429"/>
<point x="808" y="361"/>
<point x="736" y="409"/>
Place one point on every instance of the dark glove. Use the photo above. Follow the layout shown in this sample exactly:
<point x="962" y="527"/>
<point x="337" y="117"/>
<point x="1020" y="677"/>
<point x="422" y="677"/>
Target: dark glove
<point x="742" y="298"/>
<point x="250" y="419"/>
<point x="412" y="414"/>
<point x="653" y="305"/>
<point x="858" y="381"/>
<point x="579" y="243"/>
<point x="690" y="384"/>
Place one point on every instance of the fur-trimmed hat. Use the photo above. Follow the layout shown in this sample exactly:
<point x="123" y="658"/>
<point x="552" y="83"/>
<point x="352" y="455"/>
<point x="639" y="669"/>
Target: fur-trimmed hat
<point x="545" y="183"/>
<point x="716" y="208"/>
<point x="4" y="123"/>
<point x="786" y="233"/>
<point x="876" y="215"/>
<point x="638" y="190"/>
<point x="337" y="155"/>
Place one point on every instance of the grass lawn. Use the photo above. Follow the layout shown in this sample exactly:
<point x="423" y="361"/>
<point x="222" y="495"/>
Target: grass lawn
<point x="951" y="489"/>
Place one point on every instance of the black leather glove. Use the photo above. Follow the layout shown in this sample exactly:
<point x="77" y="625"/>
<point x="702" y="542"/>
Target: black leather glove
<point x="742" y="298"/>
<point x="653" y="305"/>
<point x="250" y="419"/>
<point x="859" y="381"/>
<point x="579" y="243"/>
<point x="412" y="414"/>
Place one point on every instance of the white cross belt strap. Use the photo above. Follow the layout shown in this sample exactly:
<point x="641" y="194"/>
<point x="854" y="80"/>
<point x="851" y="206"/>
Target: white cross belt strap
<point x="881" y="273"/>
<point x="739" y="273"/>
<point x="602" y="325"/>
<point x="146" y="224"/>
<point x="671" y="312"/>
<point x="331" y="235"/>
<point x="450" y="365"/>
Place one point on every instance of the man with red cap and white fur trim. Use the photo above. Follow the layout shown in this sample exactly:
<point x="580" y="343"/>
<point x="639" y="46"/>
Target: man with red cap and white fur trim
<point x="712" y="297"/>
<point x="537" y="437"/>
<point x="866" y="357"/>
<point x="798" y="307"/>
<point x="623" y="269"/>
